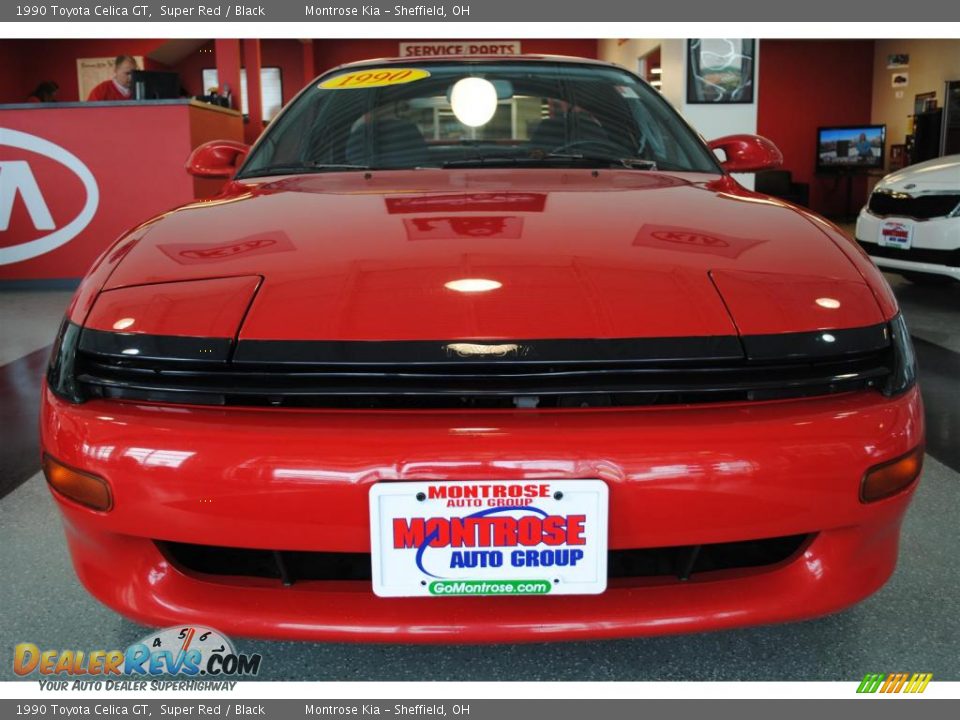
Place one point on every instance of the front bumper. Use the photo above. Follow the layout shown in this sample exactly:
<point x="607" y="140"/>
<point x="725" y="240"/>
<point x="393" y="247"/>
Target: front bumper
<point x="299" y="480"/>
<point x="935" y="247"/>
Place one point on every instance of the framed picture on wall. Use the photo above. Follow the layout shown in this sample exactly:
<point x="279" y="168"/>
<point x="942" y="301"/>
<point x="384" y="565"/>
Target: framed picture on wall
<point x="720" y="70"/>
<point x="924" y="102"/>
<point x="898" y="60"/>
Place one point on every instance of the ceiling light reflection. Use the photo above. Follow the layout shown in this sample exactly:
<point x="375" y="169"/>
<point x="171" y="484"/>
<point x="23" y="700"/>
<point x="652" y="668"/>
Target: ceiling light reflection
<point x="474" y="101"/>
<point x="151" y="457"/>
<point x="827" y="302"/>
<point x="472" y="285"/>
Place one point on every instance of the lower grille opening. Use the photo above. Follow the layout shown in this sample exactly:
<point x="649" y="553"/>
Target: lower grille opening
<point x="290" y="566"/>
<point x="685" y="561"/>
<point x="285" y="565"/>
<point x="950" y="258"/>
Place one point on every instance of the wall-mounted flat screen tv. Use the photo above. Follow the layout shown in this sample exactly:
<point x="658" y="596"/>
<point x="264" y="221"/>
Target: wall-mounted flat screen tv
<point x="853" y="148"/>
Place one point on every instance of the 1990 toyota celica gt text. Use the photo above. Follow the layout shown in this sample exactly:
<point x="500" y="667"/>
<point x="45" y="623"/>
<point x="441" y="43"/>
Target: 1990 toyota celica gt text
<point x="482" y="350"/>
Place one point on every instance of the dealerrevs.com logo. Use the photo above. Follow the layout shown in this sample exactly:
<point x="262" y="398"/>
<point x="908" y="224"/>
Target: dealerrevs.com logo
<point x="187" y="652"/>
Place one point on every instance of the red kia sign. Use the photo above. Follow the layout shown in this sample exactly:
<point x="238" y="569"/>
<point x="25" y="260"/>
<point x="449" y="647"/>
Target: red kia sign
<point x="74" y="178"/>
<point x="18" y="181"/>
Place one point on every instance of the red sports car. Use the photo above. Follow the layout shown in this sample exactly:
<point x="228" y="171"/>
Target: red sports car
<point x="482" y="350"/>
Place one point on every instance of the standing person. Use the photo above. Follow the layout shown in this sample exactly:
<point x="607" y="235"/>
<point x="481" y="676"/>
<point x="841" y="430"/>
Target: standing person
<point x="120" y="86"/>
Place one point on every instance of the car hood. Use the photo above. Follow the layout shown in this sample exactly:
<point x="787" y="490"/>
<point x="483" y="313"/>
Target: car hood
<point x="572" y="254"/>
<point x="938" y="175"/>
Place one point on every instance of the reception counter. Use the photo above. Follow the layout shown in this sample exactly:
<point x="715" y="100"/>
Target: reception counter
<point x="74" y="176"/>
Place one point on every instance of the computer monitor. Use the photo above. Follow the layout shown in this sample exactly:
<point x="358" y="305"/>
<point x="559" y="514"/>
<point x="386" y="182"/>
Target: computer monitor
<point x="154" y="85"/>
<point x="851" y="148"/>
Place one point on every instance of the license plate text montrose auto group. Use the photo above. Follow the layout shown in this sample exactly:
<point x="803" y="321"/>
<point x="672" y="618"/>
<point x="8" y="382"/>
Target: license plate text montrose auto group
<point x="489" y="538"/>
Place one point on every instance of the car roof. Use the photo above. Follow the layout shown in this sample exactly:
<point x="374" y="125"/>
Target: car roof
<point x="566" y="59"/>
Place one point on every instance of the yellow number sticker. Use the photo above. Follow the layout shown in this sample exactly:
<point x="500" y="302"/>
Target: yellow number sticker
<point x="375" y="77"/>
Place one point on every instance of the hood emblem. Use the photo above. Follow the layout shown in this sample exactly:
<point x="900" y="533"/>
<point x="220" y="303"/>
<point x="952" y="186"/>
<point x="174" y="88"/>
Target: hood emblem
<point x="469" y="350"/>
<point x="909" y="186"/>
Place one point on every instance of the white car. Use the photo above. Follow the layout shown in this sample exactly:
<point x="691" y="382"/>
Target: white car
<point x="911" y="224"/>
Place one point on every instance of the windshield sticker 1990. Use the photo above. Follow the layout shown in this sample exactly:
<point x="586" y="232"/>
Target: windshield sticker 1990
<point x="374" y="77"/>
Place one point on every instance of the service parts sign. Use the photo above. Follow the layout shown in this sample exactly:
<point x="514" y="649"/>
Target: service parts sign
<point x="444" y="538"/>
<point x="462" y="48"/>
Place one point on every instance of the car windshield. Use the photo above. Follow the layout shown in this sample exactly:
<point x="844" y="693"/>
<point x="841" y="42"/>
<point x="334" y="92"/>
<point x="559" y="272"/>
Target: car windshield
<point x="478" y="114"/>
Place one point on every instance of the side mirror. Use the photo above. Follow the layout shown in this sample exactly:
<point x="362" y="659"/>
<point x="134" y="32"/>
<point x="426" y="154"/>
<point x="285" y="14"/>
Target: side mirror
<point x="217" y="159"/>
<point x="747" y="153"/>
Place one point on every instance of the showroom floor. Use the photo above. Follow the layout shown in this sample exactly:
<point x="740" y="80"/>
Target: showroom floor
<point x="911" y="625"/>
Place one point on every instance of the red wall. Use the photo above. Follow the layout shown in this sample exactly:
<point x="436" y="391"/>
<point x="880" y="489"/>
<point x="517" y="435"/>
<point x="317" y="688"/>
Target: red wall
<point x="285" y="54"/>
<point x="803" y="85"/>
<point x="11" y="81"/>
<point x="56" y="60"/>
<point x="191" y="67"/>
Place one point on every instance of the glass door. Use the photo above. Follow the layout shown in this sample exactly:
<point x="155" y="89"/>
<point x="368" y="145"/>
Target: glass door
<point x="950" y="130"/>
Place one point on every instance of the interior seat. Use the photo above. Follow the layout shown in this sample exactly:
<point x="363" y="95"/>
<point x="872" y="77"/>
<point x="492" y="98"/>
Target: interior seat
<point x="391" y="142"/>
<point x="556" y="132"/>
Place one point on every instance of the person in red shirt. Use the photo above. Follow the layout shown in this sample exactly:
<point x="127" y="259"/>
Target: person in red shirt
<point x="46" y="92"/>
<point x="120" y="86"/>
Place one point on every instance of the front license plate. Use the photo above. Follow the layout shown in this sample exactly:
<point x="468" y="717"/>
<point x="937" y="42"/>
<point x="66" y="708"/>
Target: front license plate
<point x="896" y="234"/>
<point x="447" y="539"/>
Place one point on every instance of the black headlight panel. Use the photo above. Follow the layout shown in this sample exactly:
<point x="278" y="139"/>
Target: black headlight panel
<point x="61" y="378"/>
<point x="903" y="374"/>
<point x="87" y="364"/>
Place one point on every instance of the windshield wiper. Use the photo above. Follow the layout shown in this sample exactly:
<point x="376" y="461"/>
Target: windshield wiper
<point x="627" y="162"/>
<point x="484" y="160"/>
<point x="301" y="169"/>
<point x="554" y="158"/>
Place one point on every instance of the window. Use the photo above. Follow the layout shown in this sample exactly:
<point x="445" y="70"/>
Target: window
<point x="271" y="89"/>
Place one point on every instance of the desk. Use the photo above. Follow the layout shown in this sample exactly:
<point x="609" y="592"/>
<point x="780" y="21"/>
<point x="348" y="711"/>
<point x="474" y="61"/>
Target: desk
<point x="75" y="176"/>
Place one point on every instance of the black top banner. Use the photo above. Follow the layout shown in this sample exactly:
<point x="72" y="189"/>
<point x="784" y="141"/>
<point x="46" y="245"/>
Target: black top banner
<point x="325" y="11"/>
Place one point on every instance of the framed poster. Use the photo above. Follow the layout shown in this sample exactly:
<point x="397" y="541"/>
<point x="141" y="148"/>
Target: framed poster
<point x="899" y="79"/>
<point x="898" y="60"/>
<point x="720" y="70"/>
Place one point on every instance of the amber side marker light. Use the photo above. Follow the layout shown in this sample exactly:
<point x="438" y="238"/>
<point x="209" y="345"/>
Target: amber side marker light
<point x="891" y="477"/>
<point x="88" y="490"/>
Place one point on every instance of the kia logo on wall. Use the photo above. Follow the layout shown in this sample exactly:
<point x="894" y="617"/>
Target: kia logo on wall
<point x="17" y="178"/>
